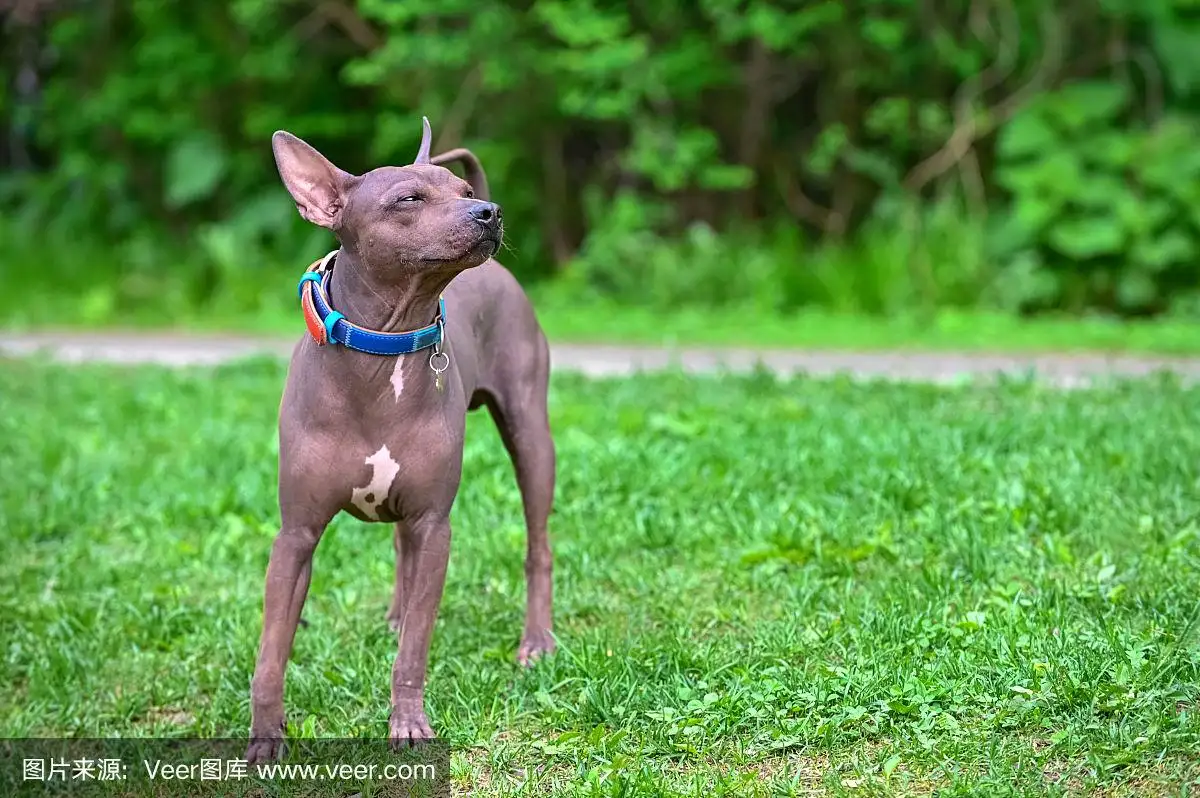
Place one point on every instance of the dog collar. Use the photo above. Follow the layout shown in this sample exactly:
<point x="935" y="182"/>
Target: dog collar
<point x="327" y="325"/>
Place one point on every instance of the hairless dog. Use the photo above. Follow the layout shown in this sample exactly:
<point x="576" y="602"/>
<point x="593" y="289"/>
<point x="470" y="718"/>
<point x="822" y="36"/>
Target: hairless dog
<point x="411" y="323"/>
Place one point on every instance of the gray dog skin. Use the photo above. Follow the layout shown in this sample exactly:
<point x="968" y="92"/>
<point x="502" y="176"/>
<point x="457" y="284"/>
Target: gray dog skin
<point x="373" y="436"/>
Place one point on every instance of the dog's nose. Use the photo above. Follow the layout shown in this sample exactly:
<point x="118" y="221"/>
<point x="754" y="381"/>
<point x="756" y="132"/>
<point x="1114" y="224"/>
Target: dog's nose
<point x="486" y="212"/>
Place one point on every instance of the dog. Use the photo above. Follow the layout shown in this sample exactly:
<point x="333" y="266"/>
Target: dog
<point x="411" y="324"/>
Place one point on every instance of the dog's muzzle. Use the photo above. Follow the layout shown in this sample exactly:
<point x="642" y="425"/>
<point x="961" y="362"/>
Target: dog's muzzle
<point x="487" y="214"/>
<point x="491" y="221"/>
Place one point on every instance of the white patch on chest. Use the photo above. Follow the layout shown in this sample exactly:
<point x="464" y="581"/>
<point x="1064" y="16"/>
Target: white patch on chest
<point x="398" y="377"/>
<point x="369" y="499"/>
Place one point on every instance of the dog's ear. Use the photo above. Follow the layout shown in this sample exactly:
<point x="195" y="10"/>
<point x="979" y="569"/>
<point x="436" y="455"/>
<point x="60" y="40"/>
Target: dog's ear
<point x="317" y="186"/>
<point x="426" y="141"/>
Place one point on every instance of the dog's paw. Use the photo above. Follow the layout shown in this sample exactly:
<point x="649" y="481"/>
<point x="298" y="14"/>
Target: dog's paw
<point x="266" y="734"/>
<point x="533" y="646"/>
<point x="409" y="729"/>
<point x="264" y="749"/>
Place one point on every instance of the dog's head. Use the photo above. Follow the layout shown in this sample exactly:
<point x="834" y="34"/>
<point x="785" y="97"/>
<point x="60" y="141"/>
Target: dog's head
<point x="397" y="219"/>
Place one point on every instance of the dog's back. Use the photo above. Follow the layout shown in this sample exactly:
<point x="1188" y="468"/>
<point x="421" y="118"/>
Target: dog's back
<point x="488" y="305"/>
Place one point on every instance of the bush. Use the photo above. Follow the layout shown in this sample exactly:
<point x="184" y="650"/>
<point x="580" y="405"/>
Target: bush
<point x="874" y="157"/>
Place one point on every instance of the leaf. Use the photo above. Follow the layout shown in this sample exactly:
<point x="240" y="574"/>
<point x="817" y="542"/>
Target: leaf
<point x="1052" y="177"/>
<point x="1081" y="106"/>
<point x="262" y="213"/>
<point x="815" y="16"/>
<point x="194" y="169"/>
<point x="826" y="149"/>
<point x="886" y="34"/>
<point x="1168" y="159"/>
<point x="1106" y="573"/>
<point x="933" y="120"/>
<point x="1099" y="191"/>
<point x="891" y="764"/>
<point x="1158" y="252"/>
<point x="889" y="117"/>
<point x="1087" y="237"/>
<point x="1009" y="234"/>
<point x="1142" y="217"/>
<point x="1034" y="214"/>
<point x="581" y="24"/>
<point x="875" y="165"/>
<point x="1027" y="134"/>
<point x="661" y="423"/>
<point x="1175" y="44"/>
<point x="726" y="177"/>
<point x="1135" y="290"/>
<point x="972" y="622"/>
<point x="1114" y="149"/>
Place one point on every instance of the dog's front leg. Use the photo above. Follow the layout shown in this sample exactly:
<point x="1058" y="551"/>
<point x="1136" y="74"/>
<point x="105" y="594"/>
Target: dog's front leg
<point x="424" y="551"/>
<point x="397" y="608"/>
<point x="288" y="576"/>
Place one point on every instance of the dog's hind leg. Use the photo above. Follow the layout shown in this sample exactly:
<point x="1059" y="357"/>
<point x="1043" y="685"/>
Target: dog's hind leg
<point x="524" y="426"/>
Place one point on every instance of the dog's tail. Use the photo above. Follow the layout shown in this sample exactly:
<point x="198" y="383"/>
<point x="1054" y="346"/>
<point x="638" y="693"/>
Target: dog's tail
<point x="471" y="166"/>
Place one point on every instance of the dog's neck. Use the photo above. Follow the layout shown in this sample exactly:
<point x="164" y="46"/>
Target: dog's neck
<point x="407" y="304"/>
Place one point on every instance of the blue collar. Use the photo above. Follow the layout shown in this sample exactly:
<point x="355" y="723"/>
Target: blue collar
<point x="329" y="326"/>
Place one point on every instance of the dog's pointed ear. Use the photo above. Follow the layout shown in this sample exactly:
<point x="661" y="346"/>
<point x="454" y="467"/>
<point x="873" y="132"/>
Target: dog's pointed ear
<point x="426" y="141"/>
<point x="317" y="186"/>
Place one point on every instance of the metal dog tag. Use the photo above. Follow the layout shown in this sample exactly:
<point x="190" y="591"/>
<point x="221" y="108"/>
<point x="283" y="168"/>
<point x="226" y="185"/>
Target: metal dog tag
<point x="439" y="362"/>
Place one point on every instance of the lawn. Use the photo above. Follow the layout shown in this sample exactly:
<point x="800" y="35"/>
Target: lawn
<point x="945" y="330"/>
<point x="763" y="587"/>
<point x="571" y="318"/>
<point x="607" y="323"/>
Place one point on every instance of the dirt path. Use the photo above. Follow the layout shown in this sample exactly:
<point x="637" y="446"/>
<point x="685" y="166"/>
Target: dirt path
<point x="1060" y="369"/>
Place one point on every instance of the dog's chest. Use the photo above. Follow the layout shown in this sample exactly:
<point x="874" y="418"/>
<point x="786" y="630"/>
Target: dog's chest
<point x="371" y="499"/>
<point x="404" y="451"/>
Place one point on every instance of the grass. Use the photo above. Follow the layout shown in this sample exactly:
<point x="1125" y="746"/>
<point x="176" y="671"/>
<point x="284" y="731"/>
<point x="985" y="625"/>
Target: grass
<point x="572" y="319"/>
<point x="763" y="587"/>
<point x="974" y="331"/>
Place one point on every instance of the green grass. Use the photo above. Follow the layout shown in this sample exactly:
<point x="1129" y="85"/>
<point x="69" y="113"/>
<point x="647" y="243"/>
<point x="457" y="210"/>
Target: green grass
<point x="574" y="319"/>
<point x="977" y="331"/>
<point x="763" y="587"/>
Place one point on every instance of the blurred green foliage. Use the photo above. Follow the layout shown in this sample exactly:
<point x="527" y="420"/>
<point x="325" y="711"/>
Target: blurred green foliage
<point x="873" y="156"/>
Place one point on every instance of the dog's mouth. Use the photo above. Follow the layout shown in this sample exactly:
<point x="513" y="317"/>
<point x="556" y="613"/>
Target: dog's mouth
<point x="480" y="250"/>
<point x="490" y="244"/>
<point x="484" y="247"/>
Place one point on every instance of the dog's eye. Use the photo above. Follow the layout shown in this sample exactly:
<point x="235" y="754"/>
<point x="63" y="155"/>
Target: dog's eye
<point x="408" y="199"/>
<point x="470" y="194"/>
